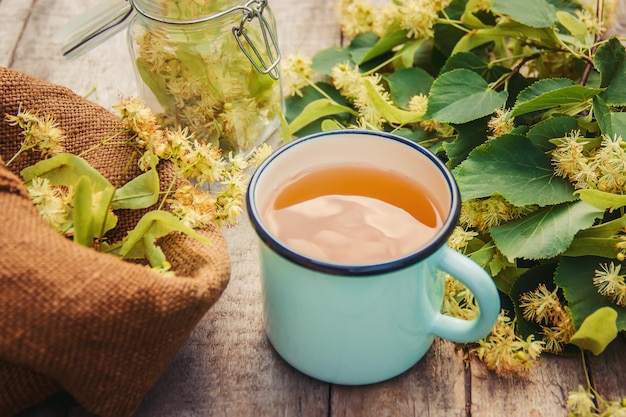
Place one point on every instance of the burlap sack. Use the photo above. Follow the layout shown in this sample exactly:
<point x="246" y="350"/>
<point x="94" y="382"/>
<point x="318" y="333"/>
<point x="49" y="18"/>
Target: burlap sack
<point x="74" y="319"/>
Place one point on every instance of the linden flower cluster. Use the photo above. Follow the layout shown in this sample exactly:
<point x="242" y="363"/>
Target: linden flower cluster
<point x="203" y="81"/>
<point x="39" y="133"/>
<point x="483" y="213"/>
<point x="200" y="162"/>
<point x="505" y="353"/>
<point x="581" y="403"/>
<point x="602" y="168"/>
<point x="351" y="84"/>
<point x="417" y="17"/>
<point x="544" y="307"/>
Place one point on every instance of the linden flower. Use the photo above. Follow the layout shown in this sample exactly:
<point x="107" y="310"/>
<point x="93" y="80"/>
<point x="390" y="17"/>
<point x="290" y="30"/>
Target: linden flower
<point x="460" y="238"/>
<point x="297" y="74"/>
<point x="195" y="208"/>
<point x="52" y="202"/>
<point x="501" y="123"/>
<point x="137" y="117"/>
<point x="506" y="353"/>
<point x="544" y="307"/>
<point x="610" y="283"/>
<point x="355" y="16"/>
<point x="419" y="17"/>
<point x="39" y="133"/>
<point x="580" y="403"/>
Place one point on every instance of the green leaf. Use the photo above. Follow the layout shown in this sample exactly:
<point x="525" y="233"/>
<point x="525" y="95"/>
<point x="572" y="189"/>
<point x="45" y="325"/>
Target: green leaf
<point x="83" y="212"/>
<point x="610" y="123"/>
<point x="575" y="276"/>
<point x="545" y="233"/>
<point x="541" y="134"/>
<point x="597" y="331"/>
<point x="141" y="192"/>
<point x="391" y="113"/>
<point x="326" y="59"/>
<point x="610" y="60"/>
<point x="406" y="83"/>
<point x="385" y="44"/>
<point x="549" y="93"/>
<point x="533" y="13"/>
<point x="599" y="240"/>
<point x="316" y="110"/>
<point x="65" y="169"/>
<point x="575" y="27"/>
<point x="460" y="96"/>
<point x="157" y="223"/>
<point x="155" y="83"/>
<point x="513" y="167"/>
<point x="470" y="61"/>
<point x="470" y="135"/>
<point x="602" y="199"/>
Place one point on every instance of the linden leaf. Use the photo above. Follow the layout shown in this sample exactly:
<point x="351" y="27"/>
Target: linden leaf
<point x="611" y="123"/>
<point x="599" y="240"/>
<point x="610" y="59"/>
<point x="83" y="212"/>
<point x="316" y="110"/>
<point x="460" y="96"/>
<point x="545" y="233"/>
<point x="385" y="44"/>
<point x="510" y="165"/>
<point x="141" y="192"/>
<point x="406" y="83"/>
<point x="549" y="93"/>
<point x="602" y="199"/>
<point x="597" y="331"/>
<point x="575" y="276"/>
<point x="533" y="13"/>
<point x="156" y="223"/>
<point x="388" y="111"/>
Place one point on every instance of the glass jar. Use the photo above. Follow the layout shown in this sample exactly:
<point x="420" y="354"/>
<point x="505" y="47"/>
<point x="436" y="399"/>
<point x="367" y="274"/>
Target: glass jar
<point x="210" y="66"/>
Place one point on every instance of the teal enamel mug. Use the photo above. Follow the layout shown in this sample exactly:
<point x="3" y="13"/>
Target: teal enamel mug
<point x="349" y="320"/>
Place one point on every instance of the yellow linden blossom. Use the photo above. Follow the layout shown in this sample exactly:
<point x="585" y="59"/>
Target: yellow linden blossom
<point x="351" y="84"/>
<point x="39" y="133"/>
<point x="355" y="16"/>
<point x="501" y="123"/>
<point x="544" y="307"/>
<point x="580" y="403"/>
<point x="420" y="16"/>
<point x="52" y="202"/>
<point x="460" y="238"/>
<point x="610" y="283"/>
<point x="195" y="208"/>
<point x="296" y="74"/>
<point x="603" y="168"/>
<point x="506" y="353"/>
<point x="484" y="213"/>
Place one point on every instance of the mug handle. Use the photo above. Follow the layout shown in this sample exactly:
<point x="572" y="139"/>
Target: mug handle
<point x="485" y="293"/>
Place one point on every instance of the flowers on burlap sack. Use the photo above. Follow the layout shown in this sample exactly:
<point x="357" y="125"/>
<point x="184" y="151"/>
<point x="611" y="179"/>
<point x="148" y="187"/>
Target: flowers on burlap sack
<point x="78" y="202"/>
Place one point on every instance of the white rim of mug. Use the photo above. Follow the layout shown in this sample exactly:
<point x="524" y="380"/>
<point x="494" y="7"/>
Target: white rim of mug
<point x="319" y="265"/>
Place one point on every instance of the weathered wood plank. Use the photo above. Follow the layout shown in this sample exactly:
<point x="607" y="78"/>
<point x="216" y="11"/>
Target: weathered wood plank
<point x="608" y="371"/>
<point x="13" y="16"/>
<point x="107" y="69"/>
<point x="541" y="394"/>
<point x="435" y="386"/>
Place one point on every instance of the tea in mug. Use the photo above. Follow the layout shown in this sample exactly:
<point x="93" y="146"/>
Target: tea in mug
<point x="352" y="214"/>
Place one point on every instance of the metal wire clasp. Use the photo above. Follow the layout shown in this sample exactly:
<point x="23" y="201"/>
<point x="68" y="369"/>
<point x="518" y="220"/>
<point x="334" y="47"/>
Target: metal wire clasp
<point x="264" y="64"/>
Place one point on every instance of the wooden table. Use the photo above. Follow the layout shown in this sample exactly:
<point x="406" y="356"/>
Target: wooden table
<point x="227" y="367"/>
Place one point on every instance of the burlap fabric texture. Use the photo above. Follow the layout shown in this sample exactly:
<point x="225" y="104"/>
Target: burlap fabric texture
<point x="72" y="318"/>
